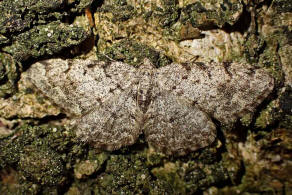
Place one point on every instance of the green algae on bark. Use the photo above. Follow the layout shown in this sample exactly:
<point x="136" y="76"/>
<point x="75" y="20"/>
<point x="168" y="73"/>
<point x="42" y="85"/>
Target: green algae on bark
<point x="12" y="183"/>
<point x="188" y="178"/>
<point x="42" y="153"/>
<point x="87" y="167"/>
<point x="41" y="165"/>
<point x="271" y="34"/>
<point x="9" y="74"/>
<point x="120" y="10"/>
<point x="278" y="111"/>
<point x="134" y="53"/>
<point x="209" y="14"/>
<point x="168" y="13"/>
<point x="42" y="156"/>
<point x="129" y="171"/>
<point x="19" y="15"/>
<point x="45" y="40"/>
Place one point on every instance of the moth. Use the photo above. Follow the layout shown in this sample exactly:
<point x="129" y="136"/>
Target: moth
<point x="111" y="104"/>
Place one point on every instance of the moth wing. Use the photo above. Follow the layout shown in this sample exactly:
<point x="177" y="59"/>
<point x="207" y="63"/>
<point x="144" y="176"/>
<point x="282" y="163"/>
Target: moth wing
<point x="112" y="124"/>
<point x="80" y="85"/>
<point x="224" y="91"/>
<point x="174" y="126"/>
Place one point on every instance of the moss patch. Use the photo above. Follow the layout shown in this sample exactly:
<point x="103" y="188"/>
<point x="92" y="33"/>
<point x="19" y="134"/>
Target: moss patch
<point x="9" y="74"/>
<point x="134" y="53"/>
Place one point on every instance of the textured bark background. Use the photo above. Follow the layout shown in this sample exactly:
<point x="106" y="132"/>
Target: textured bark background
<point x="40" y="155"/>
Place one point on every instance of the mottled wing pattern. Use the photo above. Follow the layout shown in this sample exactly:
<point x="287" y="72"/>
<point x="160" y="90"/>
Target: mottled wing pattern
<point x="226" y="91"/>
<point x="79" y="85"/>
<point x="100" y="94"/>
<point x="113" y="103"/>
<point x="113" y="124"/>
<point x="175" y="126"/>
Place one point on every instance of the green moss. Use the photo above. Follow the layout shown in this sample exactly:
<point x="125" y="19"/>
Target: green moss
<point x="120" y="10"/>
<point x="143" y="172"/>
<point x="246" y="119"/>
<point x="155" y="159"/>
<point x="262" y="52"/>
<point x="125" y="174"/>
<point x="13" y="184"/>
<point x="168" y="14"/>
<point x="134" y="53"/>
<point x="233" y="164"/>
<point x="269" y="116"/>
<point x="45" y="40"/>
<point x="253" y="46"/>
<point x="271" y="38"/>
<point x="277" y="111"/>
<point x="91" y="165"/>
<point x="204" y="18"/>
<point x="80" y="5"/>
<point x="41" y="152"/>
<point x="14" y="18"/>
<point x="209" y="155"/>
<point x="188" y="178"/>
<point x="20" y="15"/>
<point x="9" y="73"/>
<point x="41" y="165"/>
<point x="169" y="178"/>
